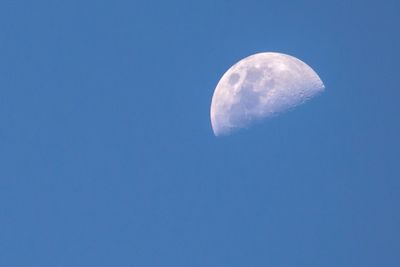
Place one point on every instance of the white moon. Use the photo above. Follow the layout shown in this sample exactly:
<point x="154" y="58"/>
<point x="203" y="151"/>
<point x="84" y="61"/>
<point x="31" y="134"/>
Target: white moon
<point x="261" y="86"/>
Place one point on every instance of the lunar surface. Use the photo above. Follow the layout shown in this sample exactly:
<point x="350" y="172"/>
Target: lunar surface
<point x="259" y="87"/>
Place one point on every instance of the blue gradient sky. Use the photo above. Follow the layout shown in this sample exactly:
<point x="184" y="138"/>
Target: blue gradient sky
<point x="107" y="157"/>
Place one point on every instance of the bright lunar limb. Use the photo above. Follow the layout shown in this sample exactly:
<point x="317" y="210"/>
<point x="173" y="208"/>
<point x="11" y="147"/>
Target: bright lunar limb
<point x="261" y="86"/>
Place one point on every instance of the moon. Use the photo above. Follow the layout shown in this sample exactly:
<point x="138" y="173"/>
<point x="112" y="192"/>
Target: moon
<point x="259" y="87"/>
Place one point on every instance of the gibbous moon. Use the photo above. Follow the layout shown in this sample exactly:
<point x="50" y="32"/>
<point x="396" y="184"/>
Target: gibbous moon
<point x="261" y="86"/>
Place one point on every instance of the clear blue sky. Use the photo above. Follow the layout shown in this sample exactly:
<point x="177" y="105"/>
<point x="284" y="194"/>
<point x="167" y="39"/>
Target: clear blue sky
<point x="107" y="156"/>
